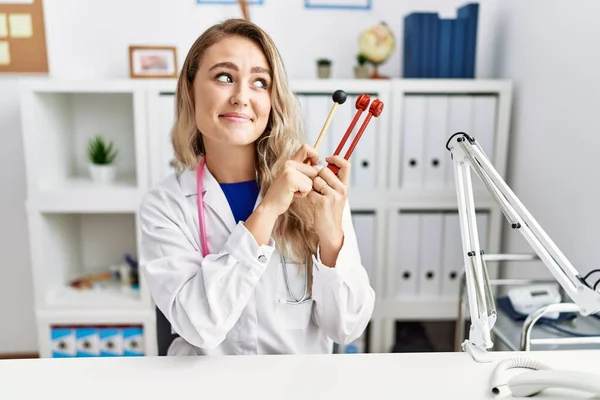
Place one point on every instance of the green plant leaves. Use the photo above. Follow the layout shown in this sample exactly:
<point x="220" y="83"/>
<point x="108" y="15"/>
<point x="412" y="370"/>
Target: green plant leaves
<point x="100" y="152"/>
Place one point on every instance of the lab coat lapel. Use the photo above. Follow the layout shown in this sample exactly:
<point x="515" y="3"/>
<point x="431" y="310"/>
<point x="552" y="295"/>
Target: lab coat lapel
<point x="216" y="200"/>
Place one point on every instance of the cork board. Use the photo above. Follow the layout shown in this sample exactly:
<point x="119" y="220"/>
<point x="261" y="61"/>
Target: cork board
<point x="22" y="37"/>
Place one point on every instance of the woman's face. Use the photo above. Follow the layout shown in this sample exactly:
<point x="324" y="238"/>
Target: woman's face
<point x="232" y="93"/>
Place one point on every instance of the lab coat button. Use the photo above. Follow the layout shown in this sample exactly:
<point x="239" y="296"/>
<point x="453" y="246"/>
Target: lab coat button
<point x="262" y="258"/>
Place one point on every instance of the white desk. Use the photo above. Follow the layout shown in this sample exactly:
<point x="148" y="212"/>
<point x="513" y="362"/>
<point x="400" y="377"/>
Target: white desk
<point x="350" y="376"/>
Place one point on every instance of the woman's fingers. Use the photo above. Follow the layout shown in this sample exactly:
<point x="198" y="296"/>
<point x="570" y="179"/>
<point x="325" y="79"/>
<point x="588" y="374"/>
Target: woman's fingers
<point x="306" y="169"/>
<point x="319" y="184"/>
<point x="343" y="174"/>
<point x="304" y="153"/>
<point x="302" y="184"/>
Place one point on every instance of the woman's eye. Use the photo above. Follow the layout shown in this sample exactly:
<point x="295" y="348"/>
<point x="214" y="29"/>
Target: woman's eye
<point x="225" y="78"/>
<point x="261" y="83"/>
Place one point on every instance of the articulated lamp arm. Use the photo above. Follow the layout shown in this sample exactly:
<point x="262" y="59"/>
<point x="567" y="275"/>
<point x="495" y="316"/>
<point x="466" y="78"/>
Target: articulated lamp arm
<point x="466" y="154"/>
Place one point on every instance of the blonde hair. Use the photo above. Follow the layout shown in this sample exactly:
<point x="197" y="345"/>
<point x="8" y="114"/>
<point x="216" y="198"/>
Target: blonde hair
<point x="283" y="135"/>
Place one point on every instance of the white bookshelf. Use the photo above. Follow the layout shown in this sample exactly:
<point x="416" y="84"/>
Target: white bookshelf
<point x="77" y="226"/>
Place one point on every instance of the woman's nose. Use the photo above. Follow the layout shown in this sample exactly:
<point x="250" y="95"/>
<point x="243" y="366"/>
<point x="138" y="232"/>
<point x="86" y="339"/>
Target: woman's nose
<point x="240" y="97"/>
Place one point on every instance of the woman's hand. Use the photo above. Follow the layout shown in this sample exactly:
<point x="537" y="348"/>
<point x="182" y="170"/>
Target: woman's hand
<point x="294" y="180"/>
<point x="329" y="198"/>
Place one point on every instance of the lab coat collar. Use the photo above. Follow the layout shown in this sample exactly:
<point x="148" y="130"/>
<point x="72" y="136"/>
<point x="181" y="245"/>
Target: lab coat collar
<point x="212" y="194"/>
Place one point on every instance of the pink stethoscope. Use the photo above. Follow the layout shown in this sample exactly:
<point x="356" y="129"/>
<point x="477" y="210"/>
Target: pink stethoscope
<point x="204" y="242"/>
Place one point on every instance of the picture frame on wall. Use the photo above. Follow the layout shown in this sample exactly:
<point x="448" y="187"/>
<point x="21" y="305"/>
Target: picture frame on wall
<point x="339" y="4"/>
<point x="153" y="62"/>
<point x="232" y="2"/>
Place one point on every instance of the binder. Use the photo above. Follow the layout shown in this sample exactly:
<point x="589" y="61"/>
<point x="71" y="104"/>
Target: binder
<point x="341" y="120"/>
<point x="459" y="35"/>
<point x="408" y="227"/>
<point x="445" y="48"/>
<point x="413" y="45"/>
<point x="364" y="226"/>
<point x="430" y="37"/>
<point x="111" y="342"/>
<point x="437" y="158"/>
<point x="88" y="342"/>
<point x="452" y="255"/>
<point x="365" y="154"/>
<point x="459" y="120"/>
<point x="470" y="14"/>
<point x="430" y="254"/>
<point x="133" y="341"/>
<point x="415" y="113"/>
<point x="64" y="343"/>
<point x="420" y="44"/>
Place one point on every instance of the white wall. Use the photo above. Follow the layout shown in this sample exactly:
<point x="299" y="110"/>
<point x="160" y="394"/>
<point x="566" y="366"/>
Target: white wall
<point x="17" y="325"/>
<point x="89" y="39"/>
<point x="549" y="51"/>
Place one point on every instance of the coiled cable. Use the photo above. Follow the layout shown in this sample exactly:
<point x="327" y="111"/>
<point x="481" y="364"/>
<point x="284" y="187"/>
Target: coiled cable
<point x="498" y="377"/>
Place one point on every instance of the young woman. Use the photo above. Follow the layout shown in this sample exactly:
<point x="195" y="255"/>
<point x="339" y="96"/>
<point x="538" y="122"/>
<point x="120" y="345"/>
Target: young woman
<point x="249" y="248"/>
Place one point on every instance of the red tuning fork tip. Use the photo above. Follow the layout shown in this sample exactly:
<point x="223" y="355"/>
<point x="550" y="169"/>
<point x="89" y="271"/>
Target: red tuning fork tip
<point x="375" y="110"/>
<point x="362" y="102"/>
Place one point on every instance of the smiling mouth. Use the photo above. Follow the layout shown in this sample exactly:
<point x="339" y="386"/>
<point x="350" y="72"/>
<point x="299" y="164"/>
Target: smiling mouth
<point x="235" y="117"/>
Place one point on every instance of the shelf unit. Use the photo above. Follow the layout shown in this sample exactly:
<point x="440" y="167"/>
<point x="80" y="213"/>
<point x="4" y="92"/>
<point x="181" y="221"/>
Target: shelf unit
<point x="64" y="207"/>
<point x="78" y="227"/>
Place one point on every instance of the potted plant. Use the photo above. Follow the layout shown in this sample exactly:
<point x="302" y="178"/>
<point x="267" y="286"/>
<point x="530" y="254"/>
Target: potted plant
<point x="323" y="68"/>
<point x="361" y="70"/>
<point x="101" y="156"/>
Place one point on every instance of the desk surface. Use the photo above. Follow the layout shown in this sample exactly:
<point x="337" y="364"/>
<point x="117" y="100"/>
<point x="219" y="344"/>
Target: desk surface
<point x="346" y="376"/>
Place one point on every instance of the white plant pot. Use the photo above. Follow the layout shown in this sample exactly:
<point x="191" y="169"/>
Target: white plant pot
<point x="324" y="71"/>
<point x="102" y="173"/>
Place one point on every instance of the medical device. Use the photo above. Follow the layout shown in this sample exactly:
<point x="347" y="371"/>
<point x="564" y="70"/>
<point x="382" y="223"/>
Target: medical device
<point x="466" y="154"/>
<point x="361" y="104"/>
<point x="527" y="299"/>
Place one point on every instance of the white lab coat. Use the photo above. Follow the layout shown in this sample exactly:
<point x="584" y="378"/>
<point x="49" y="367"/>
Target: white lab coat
<point x="233" y="301"/>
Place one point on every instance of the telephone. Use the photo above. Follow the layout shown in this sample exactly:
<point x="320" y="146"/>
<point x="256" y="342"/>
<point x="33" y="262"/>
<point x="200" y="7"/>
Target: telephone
<point x="527" y="299"/>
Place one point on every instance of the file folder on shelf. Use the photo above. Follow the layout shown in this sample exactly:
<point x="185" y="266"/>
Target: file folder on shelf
<point x="364" y="226"/>
<point x="88" y="342"/>
<point x="452" y="257"/>
<point x="430" y="257"/>
<point x="111" y="342"/>
<point x="133" y="341"/>
<point x="406" y="265"/>
<point x="415" y="109"/>
<point x="64" y="342"/>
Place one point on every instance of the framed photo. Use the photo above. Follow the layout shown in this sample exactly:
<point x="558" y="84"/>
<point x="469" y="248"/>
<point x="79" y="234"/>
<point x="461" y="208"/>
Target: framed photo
<point x="339" y="4"/>
<point x="153" y="62"/>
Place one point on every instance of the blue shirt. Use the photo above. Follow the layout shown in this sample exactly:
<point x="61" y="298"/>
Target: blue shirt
<point x="241" y="197"/>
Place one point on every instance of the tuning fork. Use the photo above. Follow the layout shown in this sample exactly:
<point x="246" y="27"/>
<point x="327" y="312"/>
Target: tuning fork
<point x="362" y="102"/>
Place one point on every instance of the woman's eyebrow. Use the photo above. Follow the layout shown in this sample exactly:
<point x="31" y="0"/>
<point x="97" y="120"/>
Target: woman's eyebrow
<point x="258" y="70"/>
<point x="232" y="66"/>
<point x="226" y="64"/>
